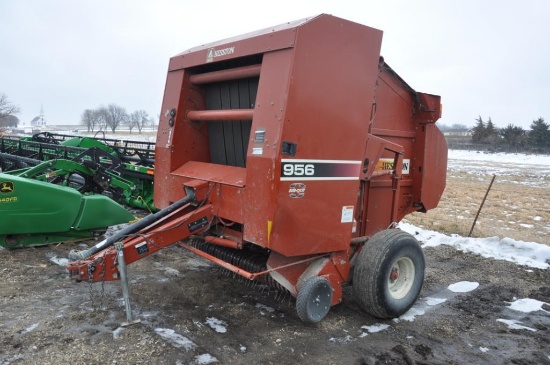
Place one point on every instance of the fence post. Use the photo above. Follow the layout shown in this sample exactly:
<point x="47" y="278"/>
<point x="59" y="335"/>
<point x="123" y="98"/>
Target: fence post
<point x="481" y="206"/>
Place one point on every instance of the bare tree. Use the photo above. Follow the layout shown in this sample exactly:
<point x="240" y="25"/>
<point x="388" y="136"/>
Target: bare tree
<point x="143" y="119"/>
<point x="6" y="107"/>
<point x="133" y="120"/>
<point x="9" y="121"/>
<point x="88" y="119"/>
<point x="100" y="117"/>
<point x="138" y="119"/>
<point x="115" y="116"/>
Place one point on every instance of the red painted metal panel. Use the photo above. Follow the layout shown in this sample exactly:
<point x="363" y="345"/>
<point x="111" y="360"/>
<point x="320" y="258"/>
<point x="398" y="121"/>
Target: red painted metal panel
<point x="326" y="116"/>
<point x="262" y="169"/>
<point x="227" y="175"/>
<point x="259" y="42"/>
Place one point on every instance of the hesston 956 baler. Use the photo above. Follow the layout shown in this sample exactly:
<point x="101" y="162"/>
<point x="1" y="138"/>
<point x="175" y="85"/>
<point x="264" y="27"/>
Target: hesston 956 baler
<point x="287" y="156"/>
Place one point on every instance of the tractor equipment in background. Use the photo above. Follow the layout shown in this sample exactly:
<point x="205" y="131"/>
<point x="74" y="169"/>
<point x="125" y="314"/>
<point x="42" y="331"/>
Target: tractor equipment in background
<point x="132" y="161"/>
<point x="36" y="213"/>
<point x="288" y="156"/>
<point x="58" y="188"/>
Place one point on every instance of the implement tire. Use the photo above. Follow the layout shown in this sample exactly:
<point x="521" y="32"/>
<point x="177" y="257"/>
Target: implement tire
<point x="388" y="274"/>
<point x="314" y="299"/>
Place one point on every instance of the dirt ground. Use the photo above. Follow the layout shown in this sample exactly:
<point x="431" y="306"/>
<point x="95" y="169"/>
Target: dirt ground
<point x="193" y="313"/>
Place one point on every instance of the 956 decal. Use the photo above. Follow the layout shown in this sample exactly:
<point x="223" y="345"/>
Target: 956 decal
<point x="296" y="169"/>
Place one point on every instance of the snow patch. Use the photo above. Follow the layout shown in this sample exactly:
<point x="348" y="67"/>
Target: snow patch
<point x="376" y="328"/>
<point x="172" y="272"/>
<point x="527" y="305"/>
<point x="264" y="308"/>
<point x="410" y="315"/>
<point x="530" y="254"/>
<point x="116" y="333"/>
<point x="515" y="325"/>
<point x="31" y="328"/>
<point x="195" y="264"/>
<point x="205" y="359"/>
<point x="501" y="157"/>
<point x="61" y="261"/>
<point x="14" y="358"/>
<point x="216" y="324"/>
<point x="463" y="286"/>
<point x="175" y="339"/>
<point x="342" y="340"/>
<point x="435" y="301"/>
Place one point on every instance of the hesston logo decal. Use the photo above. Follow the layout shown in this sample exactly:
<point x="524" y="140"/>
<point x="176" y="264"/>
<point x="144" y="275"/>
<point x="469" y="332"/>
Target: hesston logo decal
<point x="213" y="53"/>
<point x="387" y="164"/>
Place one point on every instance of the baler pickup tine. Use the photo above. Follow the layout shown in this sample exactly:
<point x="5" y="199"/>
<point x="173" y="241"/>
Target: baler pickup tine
<point x="237" y="270"/>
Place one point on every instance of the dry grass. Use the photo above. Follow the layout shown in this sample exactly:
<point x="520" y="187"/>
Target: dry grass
<point x="512" y="209"/>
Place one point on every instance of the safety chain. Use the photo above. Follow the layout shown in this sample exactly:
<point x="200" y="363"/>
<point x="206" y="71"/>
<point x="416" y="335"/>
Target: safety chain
<point x="90" y="281"/>
<point x="102" y="281"/>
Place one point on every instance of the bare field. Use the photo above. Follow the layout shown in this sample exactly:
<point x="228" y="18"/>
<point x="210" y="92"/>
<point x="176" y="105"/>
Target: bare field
<point x="517" y="207"/>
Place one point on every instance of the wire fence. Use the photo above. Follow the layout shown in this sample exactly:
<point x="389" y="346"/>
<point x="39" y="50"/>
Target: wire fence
<point x="517" y="209"/>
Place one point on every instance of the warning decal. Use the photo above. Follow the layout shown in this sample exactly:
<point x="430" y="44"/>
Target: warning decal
<point x="347" y="214"/>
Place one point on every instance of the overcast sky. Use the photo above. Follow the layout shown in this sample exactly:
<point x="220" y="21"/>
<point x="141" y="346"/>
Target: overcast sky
<point x="488" y="58"/>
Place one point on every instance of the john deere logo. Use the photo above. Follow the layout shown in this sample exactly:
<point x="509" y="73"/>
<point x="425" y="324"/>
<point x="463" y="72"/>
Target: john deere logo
<point x="6" y="187"/>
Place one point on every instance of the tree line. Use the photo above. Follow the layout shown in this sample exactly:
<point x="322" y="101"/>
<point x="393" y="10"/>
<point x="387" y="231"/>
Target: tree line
<point x="512" y="137"/>
<point x="110" y="117"/>
<point x="113" y="117"/>
<point x="7" y="112"/>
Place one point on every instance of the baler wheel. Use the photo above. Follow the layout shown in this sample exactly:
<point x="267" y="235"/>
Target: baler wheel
<point x="389" y="273"/>
<point x="314" y="299"/>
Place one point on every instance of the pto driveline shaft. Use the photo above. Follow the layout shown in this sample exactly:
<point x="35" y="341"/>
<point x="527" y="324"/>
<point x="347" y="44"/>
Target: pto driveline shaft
<point x="133" y="228"/>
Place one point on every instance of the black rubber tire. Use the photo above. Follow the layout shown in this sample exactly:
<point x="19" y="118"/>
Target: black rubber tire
<point x="372" y="274"/>
<point x="314" y="299"/>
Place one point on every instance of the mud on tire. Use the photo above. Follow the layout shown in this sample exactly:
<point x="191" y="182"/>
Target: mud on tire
<point x="388" y="274"/>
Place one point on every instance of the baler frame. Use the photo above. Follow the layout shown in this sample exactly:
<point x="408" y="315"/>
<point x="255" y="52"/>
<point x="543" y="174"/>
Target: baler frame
<point x="308" y="165"/>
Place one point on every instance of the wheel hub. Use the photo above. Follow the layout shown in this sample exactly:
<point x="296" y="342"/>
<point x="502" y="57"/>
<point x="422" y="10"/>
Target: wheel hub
<point x="401" y="277"/>
<point x="314" y="299"/>
<point x="394" y="275"/>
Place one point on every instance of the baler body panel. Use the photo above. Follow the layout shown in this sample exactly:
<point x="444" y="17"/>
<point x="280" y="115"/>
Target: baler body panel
<point x="283" y="152"/>
<point x="297" y="144"/>
<point x="310" y="94"/>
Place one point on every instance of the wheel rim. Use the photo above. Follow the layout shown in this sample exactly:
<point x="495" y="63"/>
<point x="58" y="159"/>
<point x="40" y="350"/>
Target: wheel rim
<point x="318" y="304"/>
<point x="401" y="277"/>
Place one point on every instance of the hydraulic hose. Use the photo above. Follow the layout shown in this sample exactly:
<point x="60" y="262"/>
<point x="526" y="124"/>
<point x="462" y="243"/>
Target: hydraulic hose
<point x="133" y="228"/>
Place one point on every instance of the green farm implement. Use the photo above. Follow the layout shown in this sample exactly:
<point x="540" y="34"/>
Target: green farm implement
<point x="59" y="188"/>
<point x="38" y="213"/>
